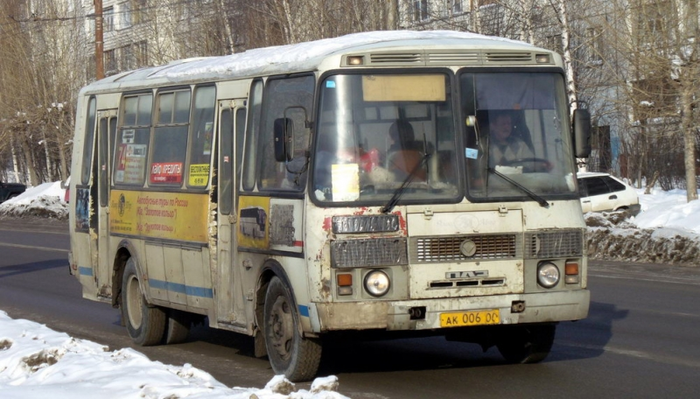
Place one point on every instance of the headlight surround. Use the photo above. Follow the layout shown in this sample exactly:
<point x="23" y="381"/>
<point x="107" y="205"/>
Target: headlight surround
<point x="548" y="274"/>
<point x="377" y="283"/>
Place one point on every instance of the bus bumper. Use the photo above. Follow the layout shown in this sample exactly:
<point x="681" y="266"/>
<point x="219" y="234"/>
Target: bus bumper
<point x="406" y="315"/>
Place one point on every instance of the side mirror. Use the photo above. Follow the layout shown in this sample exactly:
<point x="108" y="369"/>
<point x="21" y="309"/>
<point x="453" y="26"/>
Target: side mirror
<point x="582" y="133"/>
<point x="283" y="139"/>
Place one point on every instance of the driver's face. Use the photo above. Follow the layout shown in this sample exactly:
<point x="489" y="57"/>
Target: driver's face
<point x="501" y="128"/>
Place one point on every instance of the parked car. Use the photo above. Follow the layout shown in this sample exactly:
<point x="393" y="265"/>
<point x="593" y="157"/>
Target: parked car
<point x="10" y="190"/>
<point x="603" y="192"/>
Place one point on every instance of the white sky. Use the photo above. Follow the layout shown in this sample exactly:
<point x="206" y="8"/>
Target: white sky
<point x="82" y="369"/>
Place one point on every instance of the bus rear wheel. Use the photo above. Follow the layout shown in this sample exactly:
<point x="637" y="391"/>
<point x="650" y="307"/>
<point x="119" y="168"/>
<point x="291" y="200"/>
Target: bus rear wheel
<point x="527" y="343"/>
<point x="289" y="352"/>
<point x="145" y="324"/>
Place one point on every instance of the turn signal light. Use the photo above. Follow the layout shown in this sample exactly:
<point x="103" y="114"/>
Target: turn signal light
<point x="571" y="272"/>
<point x="344" y="281"/>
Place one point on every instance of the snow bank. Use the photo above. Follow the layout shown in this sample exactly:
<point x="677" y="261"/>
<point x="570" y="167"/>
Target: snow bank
<point x="44" y="200"/>
<point x="37" y="363"/>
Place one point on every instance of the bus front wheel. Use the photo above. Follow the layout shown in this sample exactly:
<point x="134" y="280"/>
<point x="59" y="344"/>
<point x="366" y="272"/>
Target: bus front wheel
<point x="526" y="343"/>
<point x="289" y="352"/>
<point x="145" y="324"/>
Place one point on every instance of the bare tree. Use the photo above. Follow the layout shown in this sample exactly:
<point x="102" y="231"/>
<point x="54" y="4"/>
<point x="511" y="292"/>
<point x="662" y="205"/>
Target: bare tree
<point x="40" y="70"/>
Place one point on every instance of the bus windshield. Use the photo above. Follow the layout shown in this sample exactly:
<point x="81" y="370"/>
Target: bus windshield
<point x="518" y="142"/>
<point x="379" y="133"/>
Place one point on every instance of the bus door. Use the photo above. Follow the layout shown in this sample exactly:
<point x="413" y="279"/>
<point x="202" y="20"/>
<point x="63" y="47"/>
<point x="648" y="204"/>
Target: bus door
<point x="107" y="126"/>
<point x="230" y="303"/>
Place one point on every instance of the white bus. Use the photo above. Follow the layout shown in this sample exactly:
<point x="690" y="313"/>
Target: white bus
<point x="347" y="184"/>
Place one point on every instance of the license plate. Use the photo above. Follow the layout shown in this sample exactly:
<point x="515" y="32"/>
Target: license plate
<point x="476" y="318"/>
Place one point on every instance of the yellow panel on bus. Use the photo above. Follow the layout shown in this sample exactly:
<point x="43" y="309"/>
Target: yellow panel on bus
<point x="173" y="216"/>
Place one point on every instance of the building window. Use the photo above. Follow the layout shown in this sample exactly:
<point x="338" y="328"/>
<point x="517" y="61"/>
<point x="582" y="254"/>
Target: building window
<point x="108" y="19"/>
<point x="653" y="20"/>
<point x="110" y="61"/>
<point x="456" y="6"/>
<point x="128" y="60"/>
<point x="139" y="11"/>
<point x="125" y="14"/>
<point x="420" y="10"/>
<point x="140" y="52"/>
<point x="593" y="43"/>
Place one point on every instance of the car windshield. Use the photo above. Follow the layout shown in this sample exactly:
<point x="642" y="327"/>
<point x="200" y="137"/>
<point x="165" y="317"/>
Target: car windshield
<point x="385" y="138"/>
<point x="518" y="142"/>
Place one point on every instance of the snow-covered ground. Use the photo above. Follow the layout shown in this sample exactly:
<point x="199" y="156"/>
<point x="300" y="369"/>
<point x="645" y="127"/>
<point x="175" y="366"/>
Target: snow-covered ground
<point x="37" y="362"/>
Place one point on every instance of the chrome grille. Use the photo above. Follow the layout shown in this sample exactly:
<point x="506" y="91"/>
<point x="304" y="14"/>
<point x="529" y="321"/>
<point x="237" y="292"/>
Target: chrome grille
<point x="447" y="248"/>
<point x="369" y="252"/>
<point x="554" y="244"/>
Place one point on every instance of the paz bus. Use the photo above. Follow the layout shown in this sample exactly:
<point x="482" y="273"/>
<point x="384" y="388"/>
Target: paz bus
<point x="342" y="185"/>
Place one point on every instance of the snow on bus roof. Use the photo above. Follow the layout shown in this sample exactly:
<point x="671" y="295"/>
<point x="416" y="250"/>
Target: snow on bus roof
<point x="304" y="56"/>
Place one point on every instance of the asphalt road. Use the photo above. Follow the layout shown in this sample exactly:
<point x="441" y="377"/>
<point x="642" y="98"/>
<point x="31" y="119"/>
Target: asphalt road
<point x="641" y="339"/>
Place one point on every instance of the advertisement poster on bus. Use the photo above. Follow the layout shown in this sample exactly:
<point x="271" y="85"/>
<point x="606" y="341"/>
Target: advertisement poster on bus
<point x="131" y="163"/>
<point x="254" y="222"/>
<point x="172" y="216"/>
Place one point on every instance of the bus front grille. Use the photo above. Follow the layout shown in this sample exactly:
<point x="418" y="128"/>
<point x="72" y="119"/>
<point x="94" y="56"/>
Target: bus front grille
<point x="369" y="252"/>
<point x="449" y="248"/>
<point x="554" y="244"/>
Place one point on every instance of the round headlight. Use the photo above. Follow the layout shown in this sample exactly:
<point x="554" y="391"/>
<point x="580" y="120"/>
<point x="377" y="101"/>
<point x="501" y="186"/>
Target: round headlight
<point x="377" y="283"/>
<point x="547" y="274"/>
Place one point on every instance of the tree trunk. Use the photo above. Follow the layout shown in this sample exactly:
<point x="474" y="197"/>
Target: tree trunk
<point x="15" y="161"/>
<point x="689" y="141"/>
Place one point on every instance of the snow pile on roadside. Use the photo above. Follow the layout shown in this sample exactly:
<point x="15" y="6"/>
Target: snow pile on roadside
<point x="613" y="237"/>
<point x="44" y="200"/>
<point x="37" y="363"/>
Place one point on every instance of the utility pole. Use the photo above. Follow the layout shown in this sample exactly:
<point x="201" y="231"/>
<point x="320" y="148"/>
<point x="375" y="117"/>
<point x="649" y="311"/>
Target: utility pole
<point x="99" y="42"/>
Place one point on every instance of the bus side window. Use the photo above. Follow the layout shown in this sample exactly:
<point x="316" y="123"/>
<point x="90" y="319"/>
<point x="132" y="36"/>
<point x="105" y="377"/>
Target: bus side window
<point x="170" y="138"/>
<point x="225" y="175"/>
<point x="286" y="98"/>
<point x="89" y="141"/>
<point x="202" y="136"/>
<point x="251" y="141"/>
<point x="131" y="145"/>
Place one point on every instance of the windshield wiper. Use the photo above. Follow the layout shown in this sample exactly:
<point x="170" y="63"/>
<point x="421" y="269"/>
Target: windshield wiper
<point x="543" y="203"/>
<point x="399" y="191"/>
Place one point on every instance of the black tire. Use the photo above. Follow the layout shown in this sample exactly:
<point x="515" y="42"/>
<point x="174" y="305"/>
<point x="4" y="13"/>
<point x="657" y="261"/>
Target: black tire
<point x="527" y="343"/>
<point x="178" y="329"/>
<point x="288" y="351"/>
<point x="145" y="324"/>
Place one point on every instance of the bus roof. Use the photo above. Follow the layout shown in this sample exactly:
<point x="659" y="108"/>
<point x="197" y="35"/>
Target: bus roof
<point x="306" y="56"/>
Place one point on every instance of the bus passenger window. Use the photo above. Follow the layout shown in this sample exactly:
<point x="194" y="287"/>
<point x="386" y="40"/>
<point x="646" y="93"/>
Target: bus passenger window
<point x="202" y="136"/>
<point x="170" y="138"/>
<point x="131" y="147"/>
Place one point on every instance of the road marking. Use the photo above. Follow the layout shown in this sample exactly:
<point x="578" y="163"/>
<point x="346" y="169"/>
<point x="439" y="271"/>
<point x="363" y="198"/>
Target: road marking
<point x="661" y="358"/>
<point x="4" y="244"/>
<point x="33" y="229"/>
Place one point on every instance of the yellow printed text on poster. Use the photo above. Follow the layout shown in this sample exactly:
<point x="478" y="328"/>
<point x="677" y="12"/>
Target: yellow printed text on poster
<point x="199" y="175"/>
<point x="172" y="216"/>
<point x="253" y="222"/>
